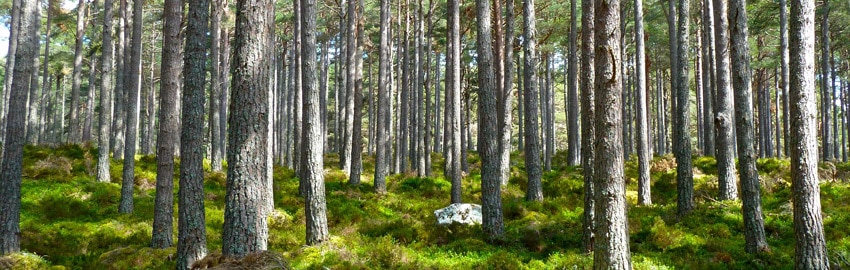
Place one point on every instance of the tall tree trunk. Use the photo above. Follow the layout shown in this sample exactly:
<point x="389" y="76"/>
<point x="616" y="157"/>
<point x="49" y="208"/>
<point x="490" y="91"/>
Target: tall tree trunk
<point x="753" y="220"/>
<point x="810" y="251"/>
<point x="245" y="227"/>
<point x="709" y="82"/>
<point x="826" y="100"/>
<point x="168" y="133"/>
<point x="383" y="153"/>
<point x="504" y="100"/>
<point x="351" y="73"/>
<point x="642" y="117"/>
<point x="724" y="110"/>
<point x="684" y="173"/>
<point x="316" y="210"/>
<point x="120" y="91"/>
<point x="403" y="125"/>
<point x="357" y="117"/>
<point x="191" y="230"/>
<point x="215" y="81"/>
<point x="74" y="127"/>
<point x="612" y="241"/>
<point x="530" y="92"/>
<point x="132" y="122"/>
<point x="491" y="197"/>
<point x="224" y="72"/>
<point x="106" y="87"/>
<point x="588" y="130"/>
<point x="14" y="30"/>
<point x="549" y="125"/>
<point x="784" y="83"/>
<point x="89" y="107"/>
<point x="573" y="144"/>
<point x="298" y="102"/>
<point x="13" y="148"/>
<point x="454" y="94"/>
<point x="45" y="74"/>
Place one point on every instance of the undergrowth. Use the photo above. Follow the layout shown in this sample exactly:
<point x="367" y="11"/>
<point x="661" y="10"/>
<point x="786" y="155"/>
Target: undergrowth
<point x="70" y="221"/>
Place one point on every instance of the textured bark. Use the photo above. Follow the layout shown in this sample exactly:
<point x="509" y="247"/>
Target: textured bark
<point x="14" y="30"/>
<point x="357" y="116"/>
<point x="504" y="100"/>
<point x="708" y="69"/>
<point x="488" y="132"/>
<point x="753" y="220"/>
<point x="45" y="75"/>
<point x="245" y="227"/>
<point x="297" y="106"/>
<point x="573" y="144"/>
<point x="74" y="125"/>
<point x="314" y="197"/>
<point x="684" y="173"/>
<point x="351" y="73"/>
<point x="32" y="104"/>
<point x="724" y="114"/>
<point x="106" y="87"/>
<point x="642" y="119"/>
<point x="215" y="81"/>
<point x="13" y="147"/>
<point x="419" y="68"/>
<point x="404" y="102"/>
<point x="588" y="130"/>
<point x="167" y="135"/>
<point x="785" y="76"/>
<point x="89" y="107"/>
<point x="612" y="236"/>
<point x="383" y="153"/>
<point x="225" y="84"/>
<point x="810" y="251"/>
<point x="191" y="226"/>
<point x="453" y="88"/>
<point x="530" y="96"/>
<point x="826" y="100"/>
<point x="674" y="70"/>
<point x="133" y="81"/>
<point x="119" y="92"/>
<point x="549" y="112"/>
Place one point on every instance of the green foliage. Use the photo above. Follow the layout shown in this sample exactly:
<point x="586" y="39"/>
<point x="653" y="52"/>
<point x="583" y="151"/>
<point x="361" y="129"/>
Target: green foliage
<point x="73" y="222"/>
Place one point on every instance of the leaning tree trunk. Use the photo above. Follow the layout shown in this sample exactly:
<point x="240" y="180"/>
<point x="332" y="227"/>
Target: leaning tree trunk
<point x="612" y="242"/>
<point x="191" y="230"/>
<point x="107" y="85"/>
<point x="808" y="222"/>
<point x="724" y="114"/>
<point x="588" y="130"/>
<point x="753" y="220"/>
<point x="245" y="228"/>
<point x="13" y="148"/>
<point x="491" y="197"/>
<point x="167" y="135"/>
<point x="531" y="94"/>
<point x="684" y="173"/>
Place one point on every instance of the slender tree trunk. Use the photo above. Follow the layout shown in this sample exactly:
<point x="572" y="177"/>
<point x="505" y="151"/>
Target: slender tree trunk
<point x="45" y="74"/>
<point x="404" y="103"/>
<point x="588" y="129"/>
<point x="453" y="88"/>
<point x="14" y="30"/>
<point x="357" y="117"/>
<point x="530" y="92"/>
<point x="684" y="173"/>
<point x="724" y="110"/>
<point x="74" y="127"/>
<point x="13" y="148"/>
<point x="382" y="155"/>
<point x="316" y="210"/>
<point x="504" y="100"/>
<point x="810" y="252"/>
<point x="826" y="142"/>
<point x="642" y="117"/>
<point x="133" y="82"/>
<point x="215" y="81"/>
<point x="783" y="48"/>
<point x="709" y="82"/>
<point x="612" y="242"/>
<point x="107" y="85"/>
<point x="753" y="220"/>
<point x="224" y="76"/>
<point x="119" y="95"/>
<point x="298" y="102"/>
<point x="191" y="235"/>
<point x="168" y="134"/>
<point x="573" y="144"/>
<point x="89" y="107"/>
<point x="245" y="227"/>
<point x="351" y="70"/>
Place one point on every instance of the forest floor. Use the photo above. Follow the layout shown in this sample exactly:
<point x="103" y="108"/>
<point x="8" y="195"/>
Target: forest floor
<point x="70" y="221"/>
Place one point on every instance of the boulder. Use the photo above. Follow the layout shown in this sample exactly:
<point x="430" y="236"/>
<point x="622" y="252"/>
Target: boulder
<point x="463" y="213"/>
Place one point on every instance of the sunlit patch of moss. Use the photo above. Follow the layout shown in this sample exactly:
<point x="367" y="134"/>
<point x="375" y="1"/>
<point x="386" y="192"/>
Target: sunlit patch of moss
<point x="134" y="257"/>
<point x="24" y="261"/>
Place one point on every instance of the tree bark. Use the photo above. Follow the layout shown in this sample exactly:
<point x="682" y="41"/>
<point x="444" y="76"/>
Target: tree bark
<point x="245" y="227"/>
<point x="107" y="85"/>
<point x="588" y="130"/>
<point x="612" y="242"/>
<point x="826" y="100"/>
<point x="684" y="173"/>
<point x="167" y="135"/>
<point x="383" y="153"/>
<point x="453" y="89"/>
<point x="133" y="81"/>
<point x="357" y="116"/>
<point x="74" y="127"/>
<point x="13" y="148"/>
<point x="753" y="220"/>
<point x="810" y="251"/>
<point x="191" y="226"/>
<point x="530" y="93"/>
<point x="784" y="83"/>
<point x="708" y="68"/>
<point x="573" y="144"/>
<point x="14" y="30"/>
<point x="215" y="81"/>
<point x="724" y="113"/>
<point x="504" y="101"/>
<point x="643" y="151"/>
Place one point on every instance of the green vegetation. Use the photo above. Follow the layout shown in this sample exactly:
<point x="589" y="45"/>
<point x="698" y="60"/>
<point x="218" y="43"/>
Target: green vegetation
<point x="69" y="221"/>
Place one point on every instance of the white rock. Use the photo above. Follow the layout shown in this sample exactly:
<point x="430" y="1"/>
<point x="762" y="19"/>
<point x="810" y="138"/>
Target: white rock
<point x="463" y="213"/>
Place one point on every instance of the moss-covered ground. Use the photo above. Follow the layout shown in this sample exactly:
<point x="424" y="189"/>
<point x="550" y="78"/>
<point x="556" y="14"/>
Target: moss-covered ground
<point x="70" y="221"/>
